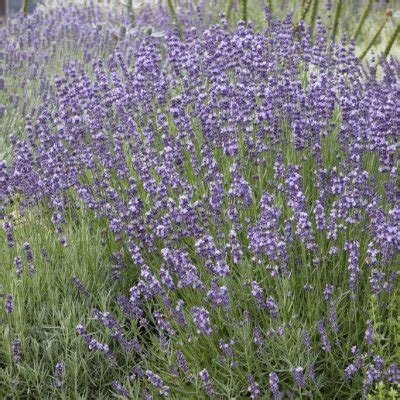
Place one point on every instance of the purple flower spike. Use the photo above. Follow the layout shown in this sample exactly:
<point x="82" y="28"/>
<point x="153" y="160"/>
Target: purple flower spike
<point x="9" y="304"/>
<point x="253" y="388"/>
<point x="120" y="389"/>
<point x="58" y="372"/>
<point x="16" y="350"/>
<point x="205" y="377"/>
<point x="274" y="386"/>
<point x="202" y="320"/>
<point x="299" y="377"/>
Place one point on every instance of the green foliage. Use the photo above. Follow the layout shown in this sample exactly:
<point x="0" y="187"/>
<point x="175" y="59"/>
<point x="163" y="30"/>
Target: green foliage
<point x="48" y="307"/>
<point x="384" y="392"/>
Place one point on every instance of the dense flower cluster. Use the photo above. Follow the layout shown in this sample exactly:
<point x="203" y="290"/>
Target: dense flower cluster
<point x="250" y="179"/>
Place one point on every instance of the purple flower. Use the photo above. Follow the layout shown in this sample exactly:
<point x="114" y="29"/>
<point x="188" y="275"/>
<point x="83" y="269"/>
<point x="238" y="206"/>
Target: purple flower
<point x="163" y="322"/>
<point x="328" y="291"/>
<point x="181" y="360"/>
<point x="236" y="170"/>
<point x="253" y="388"/>
<point x="93" y="344"/>
<point x="257" y="292"/>
<point x="372" y="375"/>
<point x="106" y="318"/>
<point x="8" y="229"/>
<point x="319" y="213"/>
<point x="120" y="389"/>
<point x="157" y="382"/>
<point x="299" y="377"/>
<point x="18" y="266"/>
<point x="240" y="188"/>
<point x="274" y="386"/>
<point x="326" y="346"/>
<point x="9" y="304"/>
<point x="202" y="320"/>
<point x="79" y="285"/>
<point x="272" y="307"/>
<point x="226" y="348"/>
<point x="350" y="371"/>
<point x="218" y="295"/>
<point x="333" y="319"/>
<point x="16" y="350"/>
<point x="205" y="377"/>
<point x="257" y="336"/>
<point x="58" y="372"/>
<point x="264" y="236"/>
<point x="369" y="333"/>
<point x="354" y="270"/>
<point x="28" y="252"/>
<point x="393" y="373"/>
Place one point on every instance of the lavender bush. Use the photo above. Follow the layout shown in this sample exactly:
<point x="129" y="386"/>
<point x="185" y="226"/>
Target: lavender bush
<point x="213" y="214"/>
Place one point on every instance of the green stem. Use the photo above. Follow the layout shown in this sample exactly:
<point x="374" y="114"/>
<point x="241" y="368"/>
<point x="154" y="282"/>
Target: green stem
<point x="129" y="10"/>
<point x="371" y="43"/>
<point x="244" y="11"/>
<point x="25" y="7"/>
<point x="336" y="18"/>
<point x="229" y="9"/>
<point x="391" y="41"/>
<point x="306" y="7"/>
<point x="362" y="19"/>
<point x="172" y="9"/>
<point x="269" y="4"/>
<point x="314" y="12"/>
<point x="174" y="15"/>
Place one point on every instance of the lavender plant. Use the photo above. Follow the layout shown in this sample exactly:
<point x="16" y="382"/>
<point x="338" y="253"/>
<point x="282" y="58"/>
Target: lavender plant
<point x="219" y="217"/>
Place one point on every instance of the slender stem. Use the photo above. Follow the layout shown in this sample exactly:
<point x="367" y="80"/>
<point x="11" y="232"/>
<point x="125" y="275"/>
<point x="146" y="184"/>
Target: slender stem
<point x="391" y="41"/>
<point x="129" y="10"/>
<point x="314" y="12"/>
<point x="336" y="18"/>
<point x="306" y="7"/>
<point x="269" y="4"/>
<point x="174" y="15"/>
<point x="371" y="43"/>
<point x="229" y="9"/>
<point x="172" y="9"/>
<point x="25" y="7"/>
<point x="244" y="11"/>
<point x="362" y="19"/>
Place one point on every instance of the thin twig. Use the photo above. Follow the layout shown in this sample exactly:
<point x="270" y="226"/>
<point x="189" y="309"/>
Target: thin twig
<point x="25" y="7"/>
<point x="174" y="16"/>
<point x="336" y="18"/>
<point x="391" y="41"/>
<point x="377" y="33"/>
<point x="314" y="12"/>
<point x="362" y="19"/>
<point x="306" y="7"/>
<point x="244" y="11"/>
<point x="229" y="9"/>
